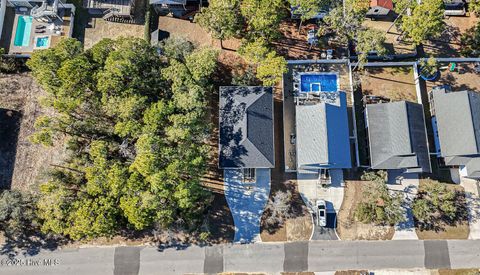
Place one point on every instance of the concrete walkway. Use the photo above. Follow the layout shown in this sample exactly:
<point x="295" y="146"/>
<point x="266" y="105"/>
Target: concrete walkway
<point x="247" y="202"/>
<point x="408" y="184"/>
<point x="311" y="191"/>
<point x="270" y="258"/>
<point x="473" y="203"/>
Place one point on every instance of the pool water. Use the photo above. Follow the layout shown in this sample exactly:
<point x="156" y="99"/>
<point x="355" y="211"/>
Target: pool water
<point x="22" y="33"/>
<point x="318" y="82"/>
<point x="42" y="42"/>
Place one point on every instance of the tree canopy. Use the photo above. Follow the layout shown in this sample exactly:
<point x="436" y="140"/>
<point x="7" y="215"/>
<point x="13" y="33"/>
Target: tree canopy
<point x="263" y="16"/>
<point x="221" y="18"/>
<point x="435" y="204"/>
<point x="369" y="40"/>
<point x="269" y="66"/>
<point x="379" y="206"/>
<point x="134" y="123"/>
<point x="470" y="41"/>
<point x="425" y="22"/>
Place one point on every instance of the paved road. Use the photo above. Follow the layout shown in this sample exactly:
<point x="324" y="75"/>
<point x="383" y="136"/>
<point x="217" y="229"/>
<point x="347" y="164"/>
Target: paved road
<point x="314" y="256"/>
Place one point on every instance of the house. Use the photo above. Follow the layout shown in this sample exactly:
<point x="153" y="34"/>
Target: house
<point x="456" y="124"/>
<point x="322" y="135"/>
<point x="184" y="9"/>
<point x="455" y="8"/>
<point x="115" y="10"/>
<point x="246" y="129"/>
<point x="379" y="9"/>
<point x="26" y="26"/>
<point x="397" y="137"/>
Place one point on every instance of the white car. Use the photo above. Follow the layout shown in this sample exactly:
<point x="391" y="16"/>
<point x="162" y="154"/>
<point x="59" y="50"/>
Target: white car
<point x="321" y="213"/>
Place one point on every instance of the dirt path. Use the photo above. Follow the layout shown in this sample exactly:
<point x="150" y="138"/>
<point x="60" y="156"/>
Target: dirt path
<point x="20" y="93"/>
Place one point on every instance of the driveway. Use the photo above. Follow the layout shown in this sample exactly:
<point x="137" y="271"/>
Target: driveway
<point x="472" y="193"/>
<point x="247" y="202"/>
<point x="408" y="184"/>
<point x="311" y="191"/>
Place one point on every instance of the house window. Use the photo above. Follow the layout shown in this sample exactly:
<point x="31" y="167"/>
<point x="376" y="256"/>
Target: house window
<point x="249" y="175"/>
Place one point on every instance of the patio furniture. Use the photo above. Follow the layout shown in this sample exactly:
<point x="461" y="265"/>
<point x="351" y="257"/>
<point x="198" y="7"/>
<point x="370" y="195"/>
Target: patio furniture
<point x="476" y="67"/>
<point x="452" y="65"/>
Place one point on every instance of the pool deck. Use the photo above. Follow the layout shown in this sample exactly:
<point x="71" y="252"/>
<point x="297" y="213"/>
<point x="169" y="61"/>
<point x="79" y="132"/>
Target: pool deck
<point x="22" y="50"/>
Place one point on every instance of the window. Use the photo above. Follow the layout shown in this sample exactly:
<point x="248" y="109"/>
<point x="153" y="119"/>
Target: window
<point x="249" y="175"/>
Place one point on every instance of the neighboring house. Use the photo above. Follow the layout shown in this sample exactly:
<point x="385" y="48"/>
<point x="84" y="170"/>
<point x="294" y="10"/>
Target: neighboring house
<point x="115" y="10"/>
<point x="455" y="8"/>
<point x="322" y="134"/>
<point x="456" y="124"/>
<point x="184" y="9"/>
<point x="26" y="26"/>
<point x="246" y="129"/>
<point x="296" y="13"/>
<point x="397" y="137"/>
<point x="379" y="9"/>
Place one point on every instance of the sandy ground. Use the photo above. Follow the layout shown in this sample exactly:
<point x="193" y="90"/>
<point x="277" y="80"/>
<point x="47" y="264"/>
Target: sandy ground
<point x="298" y="228"/>
<point x="463" y="79"/>
<point x="19" y="92"/>
<point x="396" y="83"/>
<point x="448" y="44"/>
<point x="347" y="226"/>
<point x="105" y="29"/>
<point x="393" y="45"/>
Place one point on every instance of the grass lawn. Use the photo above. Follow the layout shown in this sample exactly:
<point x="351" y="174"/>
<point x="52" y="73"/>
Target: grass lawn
<point x="459" y="230"/>
<point x="348" y="228"/>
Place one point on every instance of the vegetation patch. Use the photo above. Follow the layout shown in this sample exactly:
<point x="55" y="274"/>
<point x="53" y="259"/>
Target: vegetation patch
<point x="135" y="125"/>
<point x="440" y="211"/>
<point x="358" y="196"/>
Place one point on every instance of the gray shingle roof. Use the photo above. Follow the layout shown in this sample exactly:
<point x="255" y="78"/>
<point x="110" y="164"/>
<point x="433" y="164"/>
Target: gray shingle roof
<point x="322" y="135"/>
<point x="397" y="136"/>
<point x="246" y="127"/>
<point x="458" y="124"/>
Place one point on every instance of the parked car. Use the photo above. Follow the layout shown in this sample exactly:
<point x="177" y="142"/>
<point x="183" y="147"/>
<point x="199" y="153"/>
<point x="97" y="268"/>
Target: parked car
<point x="321" y="213"/>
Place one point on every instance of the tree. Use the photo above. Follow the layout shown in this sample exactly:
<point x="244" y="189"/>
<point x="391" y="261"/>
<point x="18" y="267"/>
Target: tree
<point x="435" y="203"/>
<point x="176" y="48"/>
<point x="134" y="124"/>
<point x="369" y="40"/>
<point x="222" y="19"/>
<point x="254" y="51"/>
<point x="470" y="41"/>
<point x="263" y="16"/>
<point x="359" y="6"/>
<point x="278" y="209"/>
<point x="425" y="22"/>
<point x="428" y="67"/>
<point x="474" y="6"/>
<point x="270" y="71"/>
<point x="344" y="22"/>
<point x="270" y="67"/>
<point x="378" y="205"/>
<point x="17" y="214"/>
<point x="307" y="9"/>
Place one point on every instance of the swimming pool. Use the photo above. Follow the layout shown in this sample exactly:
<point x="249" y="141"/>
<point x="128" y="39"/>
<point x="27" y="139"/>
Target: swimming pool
<point x="318" y="82"/>
<point x="42" y="42"/>
<point x="22" y="33"/>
